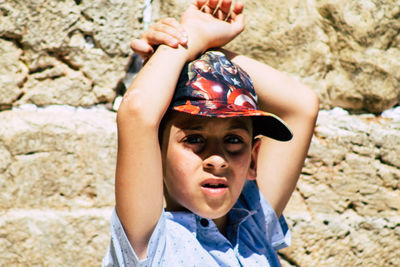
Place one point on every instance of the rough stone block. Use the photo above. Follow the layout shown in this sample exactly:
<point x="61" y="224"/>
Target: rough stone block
<point x="54" y="237"/>
<point x="60" y="157"/>
<point x="345" y="211"/>
<point x="65" y="52"/>
<point x="13" y="73"/>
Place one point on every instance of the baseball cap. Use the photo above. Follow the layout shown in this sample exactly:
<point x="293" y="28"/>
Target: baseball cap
<point x="213" y="86"/>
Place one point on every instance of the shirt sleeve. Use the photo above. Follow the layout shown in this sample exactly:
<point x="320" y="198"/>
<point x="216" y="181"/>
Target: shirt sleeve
<point x="120" y="251"/>
<point x="276" y="229"/>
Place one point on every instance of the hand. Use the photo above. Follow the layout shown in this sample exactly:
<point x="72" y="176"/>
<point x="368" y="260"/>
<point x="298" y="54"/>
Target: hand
<point x="217" y="20"/>
<point x="166" y="31"/>
<point x="205" y="25"/>
<point x="223" y="10"/>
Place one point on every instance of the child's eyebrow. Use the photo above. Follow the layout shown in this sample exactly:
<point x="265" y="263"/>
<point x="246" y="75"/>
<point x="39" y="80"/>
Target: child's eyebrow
<point x="192" y="128"/>
<point x="240" y="126"/>
<point x="189" y="125"/>
<point x="236" y="125"/>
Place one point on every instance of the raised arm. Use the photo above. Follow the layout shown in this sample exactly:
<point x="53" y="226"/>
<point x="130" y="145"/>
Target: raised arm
<point x="138" y="184"/>
<point x="139" y="178"/>
<point x="279" y="163"/>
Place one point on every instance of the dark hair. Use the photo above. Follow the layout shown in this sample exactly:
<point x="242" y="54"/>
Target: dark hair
<point x="162" y="126"/>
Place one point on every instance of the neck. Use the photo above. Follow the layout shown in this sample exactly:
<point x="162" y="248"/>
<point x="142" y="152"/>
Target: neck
<point x="171" y="205"/>
<point x="221" y="224"/>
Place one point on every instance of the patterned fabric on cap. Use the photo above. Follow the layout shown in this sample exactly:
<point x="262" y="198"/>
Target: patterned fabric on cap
<point x="213" y="86"/>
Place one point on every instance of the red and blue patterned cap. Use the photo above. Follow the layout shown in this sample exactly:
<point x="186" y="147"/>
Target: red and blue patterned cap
<point x="215" y="87"/>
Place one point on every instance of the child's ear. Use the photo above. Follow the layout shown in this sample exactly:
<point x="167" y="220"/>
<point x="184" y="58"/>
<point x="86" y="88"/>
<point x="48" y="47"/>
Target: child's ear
<point x="252" y="173"/>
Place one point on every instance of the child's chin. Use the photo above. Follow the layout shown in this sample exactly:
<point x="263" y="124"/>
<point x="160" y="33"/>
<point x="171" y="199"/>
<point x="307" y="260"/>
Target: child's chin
<point x="213" y="213"/>
<point x="216" y="193"/>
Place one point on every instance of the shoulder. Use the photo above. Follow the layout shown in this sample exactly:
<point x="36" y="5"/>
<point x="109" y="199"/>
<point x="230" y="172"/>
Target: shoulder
<point x="276" y="230"/>
<point x="172" y="237"/>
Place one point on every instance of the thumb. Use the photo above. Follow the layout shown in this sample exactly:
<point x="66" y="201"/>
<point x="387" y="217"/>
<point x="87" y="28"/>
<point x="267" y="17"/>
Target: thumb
<point x="142" y="48"/>
<point x="238" y="24"/>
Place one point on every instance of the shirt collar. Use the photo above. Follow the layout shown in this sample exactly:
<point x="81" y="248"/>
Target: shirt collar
<point x="194" y="223"/>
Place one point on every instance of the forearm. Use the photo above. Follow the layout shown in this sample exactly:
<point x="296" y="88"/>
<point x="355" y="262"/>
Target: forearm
<point x="280" y="163"/>
<point x="277" y="92"/>
<point x="151" y="91"/>
<point x="139" y="179"/>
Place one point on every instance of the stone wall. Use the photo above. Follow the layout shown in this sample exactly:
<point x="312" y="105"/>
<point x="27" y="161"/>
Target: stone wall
<point x="64" y="62"/>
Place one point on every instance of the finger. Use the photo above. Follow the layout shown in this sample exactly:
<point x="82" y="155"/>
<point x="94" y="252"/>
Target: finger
<point x="161" y="37"/>
<point x="226" y="6"/>
<point x="236" y="9"/>
<point x="216" y="9"/>
<point x="171" y="22"/>
<point x="225" y="10"/>
<point x="204" y="7"/>
<point x="142" y="48"/>
<point x="213" y="4"/>
<point x="176" y="30"/>
<point x="200" y="4"/>
<point x="220" y="15"/>
<point x="238" y="23"/>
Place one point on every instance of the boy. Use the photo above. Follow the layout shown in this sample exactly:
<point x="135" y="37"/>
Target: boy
<point x="196" y="147"/>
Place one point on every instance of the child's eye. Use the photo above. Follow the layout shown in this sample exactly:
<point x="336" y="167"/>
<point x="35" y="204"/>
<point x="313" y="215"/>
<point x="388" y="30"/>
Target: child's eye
<point x="193" y="139"/>
<point x="233" y="139"/>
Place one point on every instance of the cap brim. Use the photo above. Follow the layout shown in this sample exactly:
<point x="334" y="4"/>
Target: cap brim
<point x="265" y="123"/>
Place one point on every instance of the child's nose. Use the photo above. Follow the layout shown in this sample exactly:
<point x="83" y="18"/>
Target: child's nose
<point x="215" y="162"/>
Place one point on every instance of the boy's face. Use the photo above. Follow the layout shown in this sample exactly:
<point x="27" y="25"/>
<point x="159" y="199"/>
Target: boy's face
<point x="206" y="162"/>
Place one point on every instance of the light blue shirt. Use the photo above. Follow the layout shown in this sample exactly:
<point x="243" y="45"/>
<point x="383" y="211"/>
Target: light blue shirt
<point x="185" y="239"/>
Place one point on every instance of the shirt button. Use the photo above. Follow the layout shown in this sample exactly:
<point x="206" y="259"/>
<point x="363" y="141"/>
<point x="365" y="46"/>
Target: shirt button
<point x="204" y="222"/>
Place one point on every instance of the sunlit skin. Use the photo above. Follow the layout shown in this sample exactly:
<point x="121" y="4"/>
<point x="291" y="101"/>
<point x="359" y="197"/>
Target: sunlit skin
<point x="198" y="151"/>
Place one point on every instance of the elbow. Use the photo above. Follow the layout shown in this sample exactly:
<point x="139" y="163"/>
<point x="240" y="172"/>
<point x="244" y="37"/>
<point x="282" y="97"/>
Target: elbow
<point x="313" y="104"/>
<point x="310" y="104"/>
<point x="134" y="110"/>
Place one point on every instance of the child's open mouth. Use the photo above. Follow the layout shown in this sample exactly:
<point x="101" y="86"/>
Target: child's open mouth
<point x="214" y="187"/>
<point x="214" y="183"/>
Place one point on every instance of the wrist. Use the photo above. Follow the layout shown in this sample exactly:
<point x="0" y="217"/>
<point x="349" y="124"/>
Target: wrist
<point x="195" y="44"/>
<point x="188" y="52"/>
<point x="180" y="52"/>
